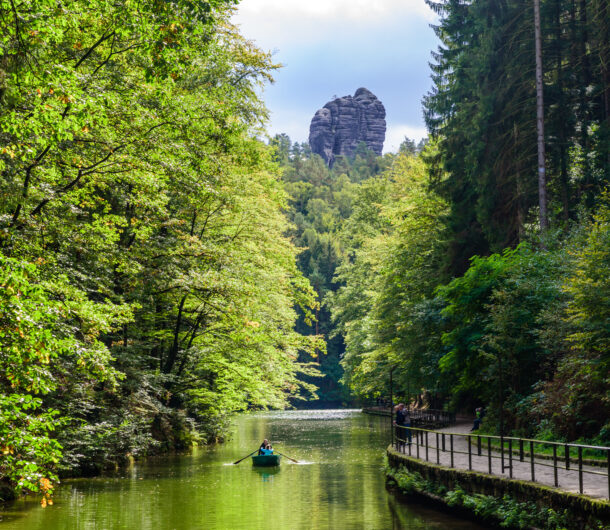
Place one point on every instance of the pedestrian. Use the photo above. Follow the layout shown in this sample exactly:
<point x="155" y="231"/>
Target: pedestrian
<point x="478" y="417"/>
<point x="400" y="422"/>
<point x="407" y="424"/>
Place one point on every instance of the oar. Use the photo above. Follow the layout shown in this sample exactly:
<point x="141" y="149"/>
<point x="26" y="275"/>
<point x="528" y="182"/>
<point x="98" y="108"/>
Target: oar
<point x="295" y="461"/>
<point x="245" y="457"/>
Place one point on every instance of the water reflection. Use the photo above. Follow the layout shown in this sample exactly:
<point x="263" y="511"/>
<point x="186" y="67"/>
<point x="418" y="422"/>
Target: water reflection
<point x="266" y="473"/>
<point x="340" y="486"/>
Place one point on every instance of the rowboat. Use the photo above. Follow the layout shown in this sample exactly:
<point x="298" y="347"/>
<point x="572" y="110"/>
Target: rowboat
<point x="266" y="460"/>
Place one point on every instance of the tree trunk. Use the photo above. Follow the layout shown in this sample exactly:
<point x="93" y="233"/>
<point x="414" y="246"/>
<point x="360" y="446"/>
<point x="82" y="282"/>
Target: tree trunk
<point x="585" y="82"/>
<point x="604" y="53"/>
<point x="542" y="200"/>
<point x="172" y="355"/>
<point x="563" y="133"/>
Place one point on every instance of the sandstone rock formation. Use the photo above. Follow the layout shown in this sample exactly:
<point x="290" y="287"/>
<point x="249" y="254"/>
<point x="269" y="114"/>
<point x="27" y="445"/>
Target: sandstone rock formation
<point x="338" y="127"/>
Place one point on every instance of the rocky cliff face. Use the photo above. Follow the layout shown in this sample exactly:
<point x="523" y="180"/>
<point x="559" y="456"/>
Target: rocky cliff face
<point x="338" y="127"/>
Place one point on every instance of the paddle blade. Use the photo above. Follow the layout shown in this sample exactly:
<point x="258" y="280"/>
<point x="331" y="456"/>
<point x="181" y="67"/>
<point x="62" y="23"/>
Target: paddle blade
<point x="238" y="461"/>
<point x="291" y="459"/>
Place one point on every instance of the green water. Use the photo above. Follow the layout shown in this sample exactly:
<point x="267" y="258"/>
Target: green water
<point x="339" y="485"/>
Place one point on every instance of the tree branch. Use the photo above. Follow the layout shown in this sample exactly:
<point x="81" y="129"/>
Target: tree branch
<point x="102" y="39"/>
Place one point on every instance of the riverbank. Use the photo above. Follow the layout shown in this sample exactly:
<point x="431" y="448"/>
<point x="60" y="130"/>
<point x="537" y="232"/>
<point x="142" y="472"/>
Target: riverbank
<point x="7" y="494"/>
<point x="493" y="499"/>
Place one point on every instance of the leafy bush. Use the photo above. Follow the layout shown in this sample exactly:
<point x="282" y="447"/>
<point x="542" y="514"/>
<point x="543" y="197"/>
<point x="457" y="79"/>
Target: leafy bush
<point x="38" y="345"/>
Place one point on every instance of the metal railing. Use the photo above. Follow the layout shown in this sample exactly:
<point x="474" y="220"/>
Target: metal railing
<point x="419" y="417"/>
<point x="507" y="450"/>
<point x="422" y="417"/>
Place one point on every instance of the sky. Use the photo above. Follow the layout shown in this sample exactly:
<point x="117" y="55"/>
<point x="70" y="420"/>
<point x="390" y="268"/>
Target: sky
<point x="330" y="48"/>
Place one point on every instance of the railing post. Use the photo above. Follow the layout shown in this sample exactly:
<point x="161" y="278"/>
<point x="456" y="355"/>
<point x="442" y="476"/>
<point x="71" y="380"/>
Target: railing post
<point x="489" y="454"/>
<point x="469" y="454"/>
<point x="438" y="454"/>
<point x="510" y="458"/>
<point x="555" y="465"/>
<point x="532" y="461"/>
<point x="479" y="445"/>
<point x="391" y="423"/>
<point x="426" y="440"/>
<point x="608" y="468"/>
<point x="567" y="455"/>
<point x="503" y="467"/>
<point x="451" y="447"/>
<point x="521" y="450"/>
<point x="443" y="435"/>
<point x="417" y="442"/>
<point x="580" y="488"/>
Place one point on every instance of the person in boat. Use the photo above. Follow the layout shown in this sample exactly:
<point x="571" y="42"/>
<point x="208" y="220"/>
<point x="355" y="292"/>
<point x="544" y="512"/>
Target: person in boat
<point x="265" y="448"/>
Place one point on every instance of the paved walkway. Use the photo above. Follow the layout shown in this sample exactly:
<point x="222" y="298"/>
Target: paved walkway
<point x="594" y="485"/>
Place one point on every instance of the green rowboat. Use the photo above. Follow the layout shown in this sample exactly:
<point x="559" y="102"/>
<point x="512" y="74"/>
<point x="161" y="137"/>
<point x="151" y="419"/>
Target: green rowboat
<point x="266" y="460"/>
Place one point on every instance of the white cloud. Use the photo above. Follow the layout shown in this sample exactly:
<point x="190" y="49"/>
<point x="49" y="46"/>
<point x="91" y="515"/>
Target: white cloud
<point x="395" y="134"/>
<point x="280" y="24"/>
<point x="364" y="10"/>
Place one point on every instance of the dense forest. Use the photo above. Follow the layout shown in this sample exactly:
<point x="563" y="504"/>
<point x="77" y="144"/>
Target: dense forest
<point x="449" y="278"/>
<point x="148" y="286"/>
<point x="320" y="210"/>
<point x="162" y="266"/>
<point x="320" y="203"/>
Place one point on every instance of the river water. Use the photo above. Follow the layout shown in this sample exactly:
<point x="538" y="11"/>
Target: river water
<point x="339" y="484"/>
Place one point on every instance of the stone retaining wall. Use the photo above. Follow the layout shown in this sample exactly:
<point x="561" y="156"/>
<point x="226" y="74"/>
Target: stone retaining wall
<point x="581" y="507"/>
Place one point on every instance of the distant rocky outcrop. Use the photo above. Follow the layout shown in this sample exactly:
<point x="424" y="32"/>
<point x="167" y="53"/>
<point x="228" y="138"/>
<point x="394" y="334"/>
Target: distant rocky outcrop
<point x="338" y="127"/>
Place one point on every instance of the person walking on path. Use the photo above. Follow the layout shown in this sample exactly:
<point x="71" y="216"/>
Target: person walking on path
<point x="402" y="422"/>
<point x="478" y="413"/>
<point x="407" y="414"/>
